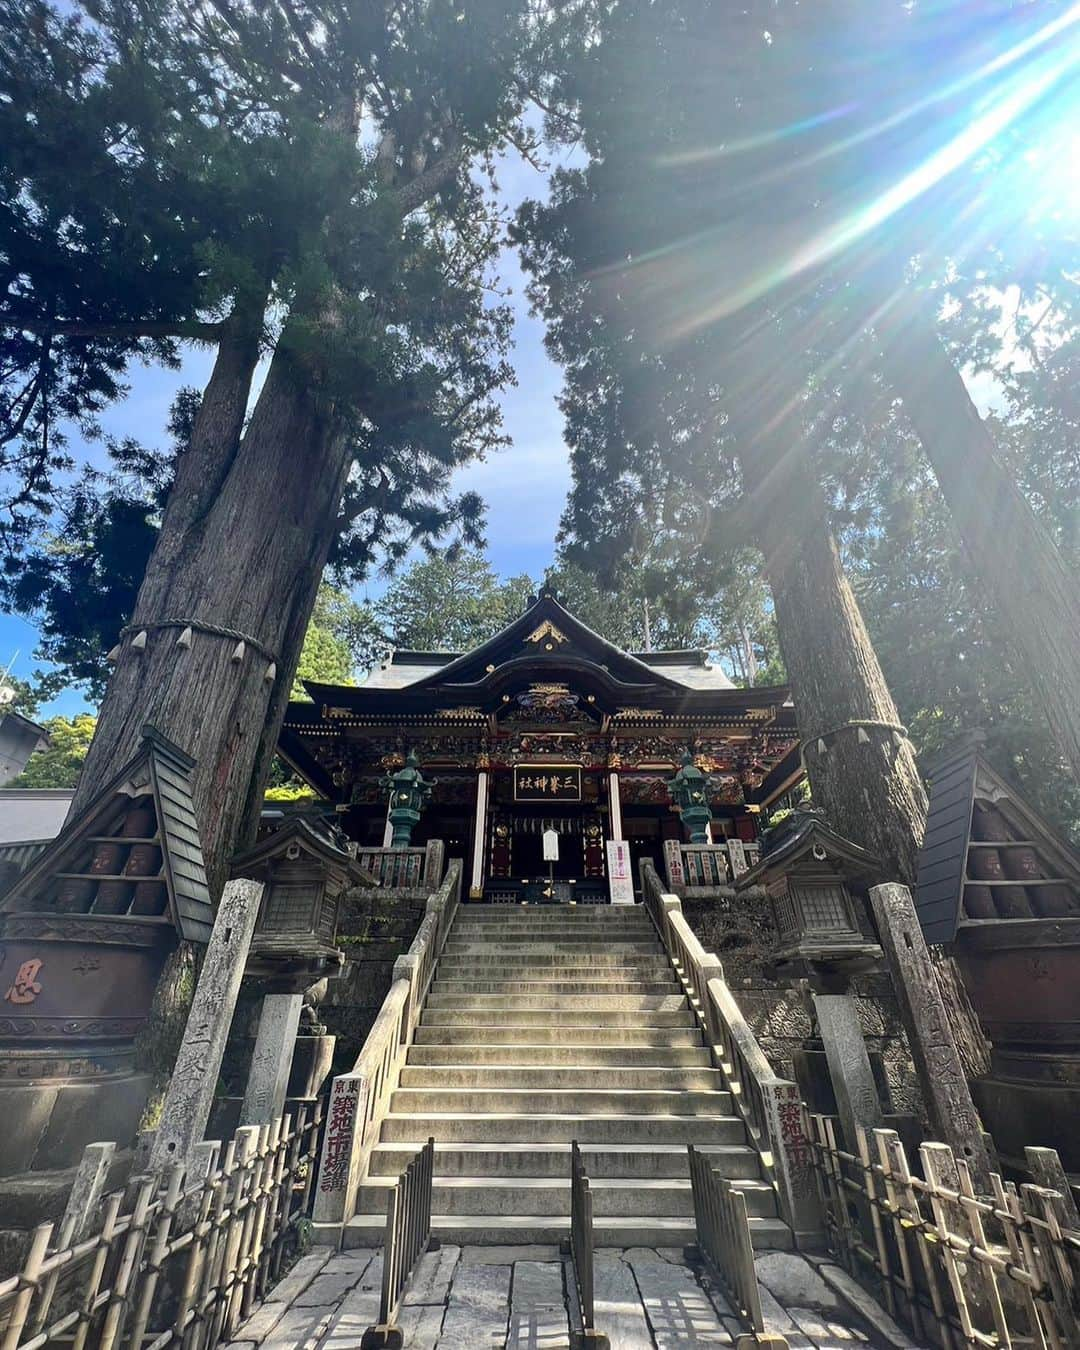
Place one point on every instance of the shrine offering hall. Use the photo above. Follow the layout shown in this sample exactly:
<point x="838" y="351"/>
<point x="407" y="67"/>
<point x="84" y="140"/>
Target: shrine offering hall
<point x="545" y="727"/>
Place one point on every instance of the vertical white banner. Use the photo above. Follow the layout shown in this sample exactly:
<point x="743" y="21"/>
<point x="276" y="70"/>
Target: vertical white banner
<point x="620" y="873"/>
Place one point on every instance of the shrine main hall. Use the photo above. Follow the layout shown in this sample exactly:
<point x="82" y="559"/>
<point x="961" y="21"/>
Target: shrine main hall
<point x="546" y="726"/>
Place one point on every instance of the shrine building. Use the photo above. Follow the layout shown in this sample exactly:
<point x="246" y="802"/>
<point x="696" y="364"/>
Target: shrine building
<point x="546" y="726"/>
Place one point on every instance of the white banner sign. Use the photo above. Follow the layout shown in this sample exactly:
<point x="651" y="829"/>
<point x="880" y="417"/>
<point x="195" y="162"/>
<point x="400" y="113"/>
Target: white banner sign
<point x="620" y="872"/>
<point x="551" y="846"/>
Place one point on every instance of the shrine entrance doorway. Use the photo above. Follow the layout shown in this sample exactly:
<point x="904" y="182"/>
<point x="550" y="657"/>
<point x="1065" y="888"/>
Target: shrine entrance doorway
<point x="516" y="868"/>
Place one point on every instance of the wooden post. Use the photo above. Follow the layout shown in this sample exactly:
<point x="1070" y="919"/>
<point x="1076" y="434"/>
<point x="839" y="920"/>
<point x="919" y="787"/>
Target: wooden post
<point x="947" y="1098"/>
<point x="614" y="805"/>
<point x="476" y="889"/>
<point x="1046" y="1171"/>
<point x="195" y="1074"/>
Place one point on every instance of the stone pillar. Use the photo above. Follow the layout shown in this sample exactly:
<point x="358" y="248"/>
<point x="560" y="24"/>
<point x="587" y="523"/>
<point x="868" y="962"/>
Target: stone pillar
<point x="271" y="1060"/>
<point x="614" y="805"/>
<point x="191" y="1089"/>
<point x="388" y="830"/>
<point x="946" y="1096"/>
<point x="476" y="888"/>
<point x="849" y="1065"/>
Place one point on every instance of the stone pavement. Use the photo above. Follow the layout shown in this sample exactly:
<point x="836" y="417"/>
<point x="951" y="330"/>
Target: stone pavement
<point x="469" y="1298"/>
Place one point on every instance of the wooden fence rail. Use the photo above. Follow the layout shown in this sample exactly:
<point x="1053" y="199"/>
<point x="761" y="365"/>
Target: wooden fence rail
<point x="174" y="1260"/>
<point x="723" y="1234"/>
<point x="959" y="1269"/>
<point x="581" y="1253"/>
<point x="408" y="1236"/>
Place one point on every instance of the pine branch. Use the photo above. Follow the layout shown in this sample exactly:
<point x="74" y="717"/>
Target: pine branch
<point x="420" y="189"/>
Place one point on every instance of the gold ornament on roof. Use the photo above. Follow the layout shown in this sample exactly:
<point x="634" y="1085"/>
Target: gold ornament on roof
<point x="546" y="630"/>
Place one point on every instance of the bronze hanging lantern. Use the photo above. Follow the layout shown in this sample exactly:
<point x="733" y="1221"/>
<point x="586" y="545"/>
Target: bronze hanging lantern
<point x="689" y="793"/>
<point x="408" y="792"/>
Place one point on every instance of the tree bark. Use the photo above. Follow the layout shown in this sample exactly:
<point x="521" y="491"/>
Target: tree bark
<point x="870" y="790"/>
<point x="1012" y="555"/>
<point x="243" y="545"/>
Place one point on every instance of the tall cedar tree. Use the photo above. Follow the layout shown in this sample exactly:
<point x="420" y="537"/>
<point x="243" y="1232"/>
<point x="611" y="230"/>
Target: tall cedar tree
<point x="688" y="366"/>
<point x="350" y="247"/>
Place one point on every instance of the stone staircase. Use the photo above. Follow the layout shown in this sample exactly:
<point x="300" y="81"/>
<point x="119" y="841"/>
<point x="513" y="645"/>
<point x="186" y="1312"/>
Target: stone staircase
<point x="543" y="1025"/>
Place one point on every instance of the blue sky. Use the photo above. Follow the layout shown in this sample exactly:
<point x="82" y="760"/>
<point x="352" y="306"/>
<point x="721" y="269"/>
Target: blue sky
<point x="524" y="486"/>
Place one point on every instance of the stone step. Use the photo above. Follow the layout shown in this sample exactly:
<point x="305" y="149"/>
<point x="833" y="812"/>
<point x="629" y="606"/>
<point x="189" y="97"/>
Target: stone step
<point x="621" y="1197"/>
<point x="522" y="1127"/>
<point x="477" y="913"/>
<point x="636" y="1018"/>
<point x="561" y="1101"/>
<point x="553" y="1160"/>
<point x="608" y="1036"/>
<point x="575" y="1055"/>
<point x="539" y="936"/>
<point x="367" y="1230"/>
<point x="598" y="983"/>
<point x="500" y="1003"/>
<point x="567" y="964"/>
<point x="507" y="1077"/>
<point x="508" y="947"/>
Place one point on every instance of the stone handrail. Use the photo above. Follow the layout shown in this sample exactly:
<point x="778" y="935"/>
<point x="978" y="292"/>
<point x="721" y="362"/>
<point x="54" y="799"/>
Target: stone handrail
<point x="359" y="1099"/>
<point x="770" y="1106"/>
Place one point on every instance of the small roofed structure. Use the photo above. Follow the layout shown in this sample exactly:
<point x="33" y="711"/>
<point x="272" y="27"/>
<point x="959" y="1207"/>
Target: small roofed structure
<point x="1004" y="890"/>
<point x="86" y="931"/>
<point x="809" y="871"/>
<point x="134" y="851"/>
<point x="306" y="872"/>
<point x="987" y="854"/>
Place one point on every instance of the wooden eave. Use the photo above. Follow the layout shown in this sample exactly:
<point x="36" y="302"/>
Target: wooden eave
<point x="781" y="859"/>
<point x="314" y="842"/>
<point x="957" y="780"/>
<point x="507" y="644"/>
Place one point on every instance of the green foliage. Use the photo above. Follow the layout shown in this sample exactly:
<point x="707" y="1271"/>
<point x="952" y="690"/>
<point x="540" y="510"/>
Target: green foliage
<point x="58" y="765"/>
<point x="451" y="601"/>
<point x="343" y="638"/>
<point x="292" y="790"/>
<point x="164" y="171"/>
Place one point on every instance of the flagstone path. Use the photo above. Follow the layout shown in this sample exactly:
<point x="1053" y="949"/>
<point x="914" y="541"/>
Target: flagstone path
<point x="473" y="1298"/>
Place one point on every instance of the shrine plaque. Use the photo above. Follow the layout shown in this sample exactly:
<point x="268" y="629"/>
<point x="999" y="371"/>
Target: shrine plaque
<point x="547" y="782"/>
<point x="551" y="846"/>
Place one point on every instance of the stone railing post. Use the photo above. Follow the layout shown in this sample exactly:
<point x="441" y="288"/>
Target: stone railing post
<point x="407" y="967"/>
<point x="434" y="863"/>
<point x="793" y="1161"/>
<point x="342" y="1159"/>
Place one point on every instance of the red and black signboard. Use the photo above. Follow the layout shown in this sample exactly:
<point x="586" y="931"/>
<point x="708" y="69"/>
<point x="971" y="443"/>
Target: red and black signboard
<point x="547" y="782"/>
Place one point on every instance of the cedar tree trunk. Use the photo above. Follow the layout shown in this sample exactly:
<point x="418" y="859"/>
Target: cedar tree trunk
<point x="1013" y="556"/>
<point x="870" y="790"/>
<point x="243" y="545"/>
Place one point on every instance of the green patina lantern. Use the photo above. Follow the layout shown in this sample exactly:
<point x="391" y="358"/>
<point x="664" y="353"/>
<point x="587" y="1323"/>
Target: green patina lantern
<point x="689" y="792"/>
<point x="409" y="792"/>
